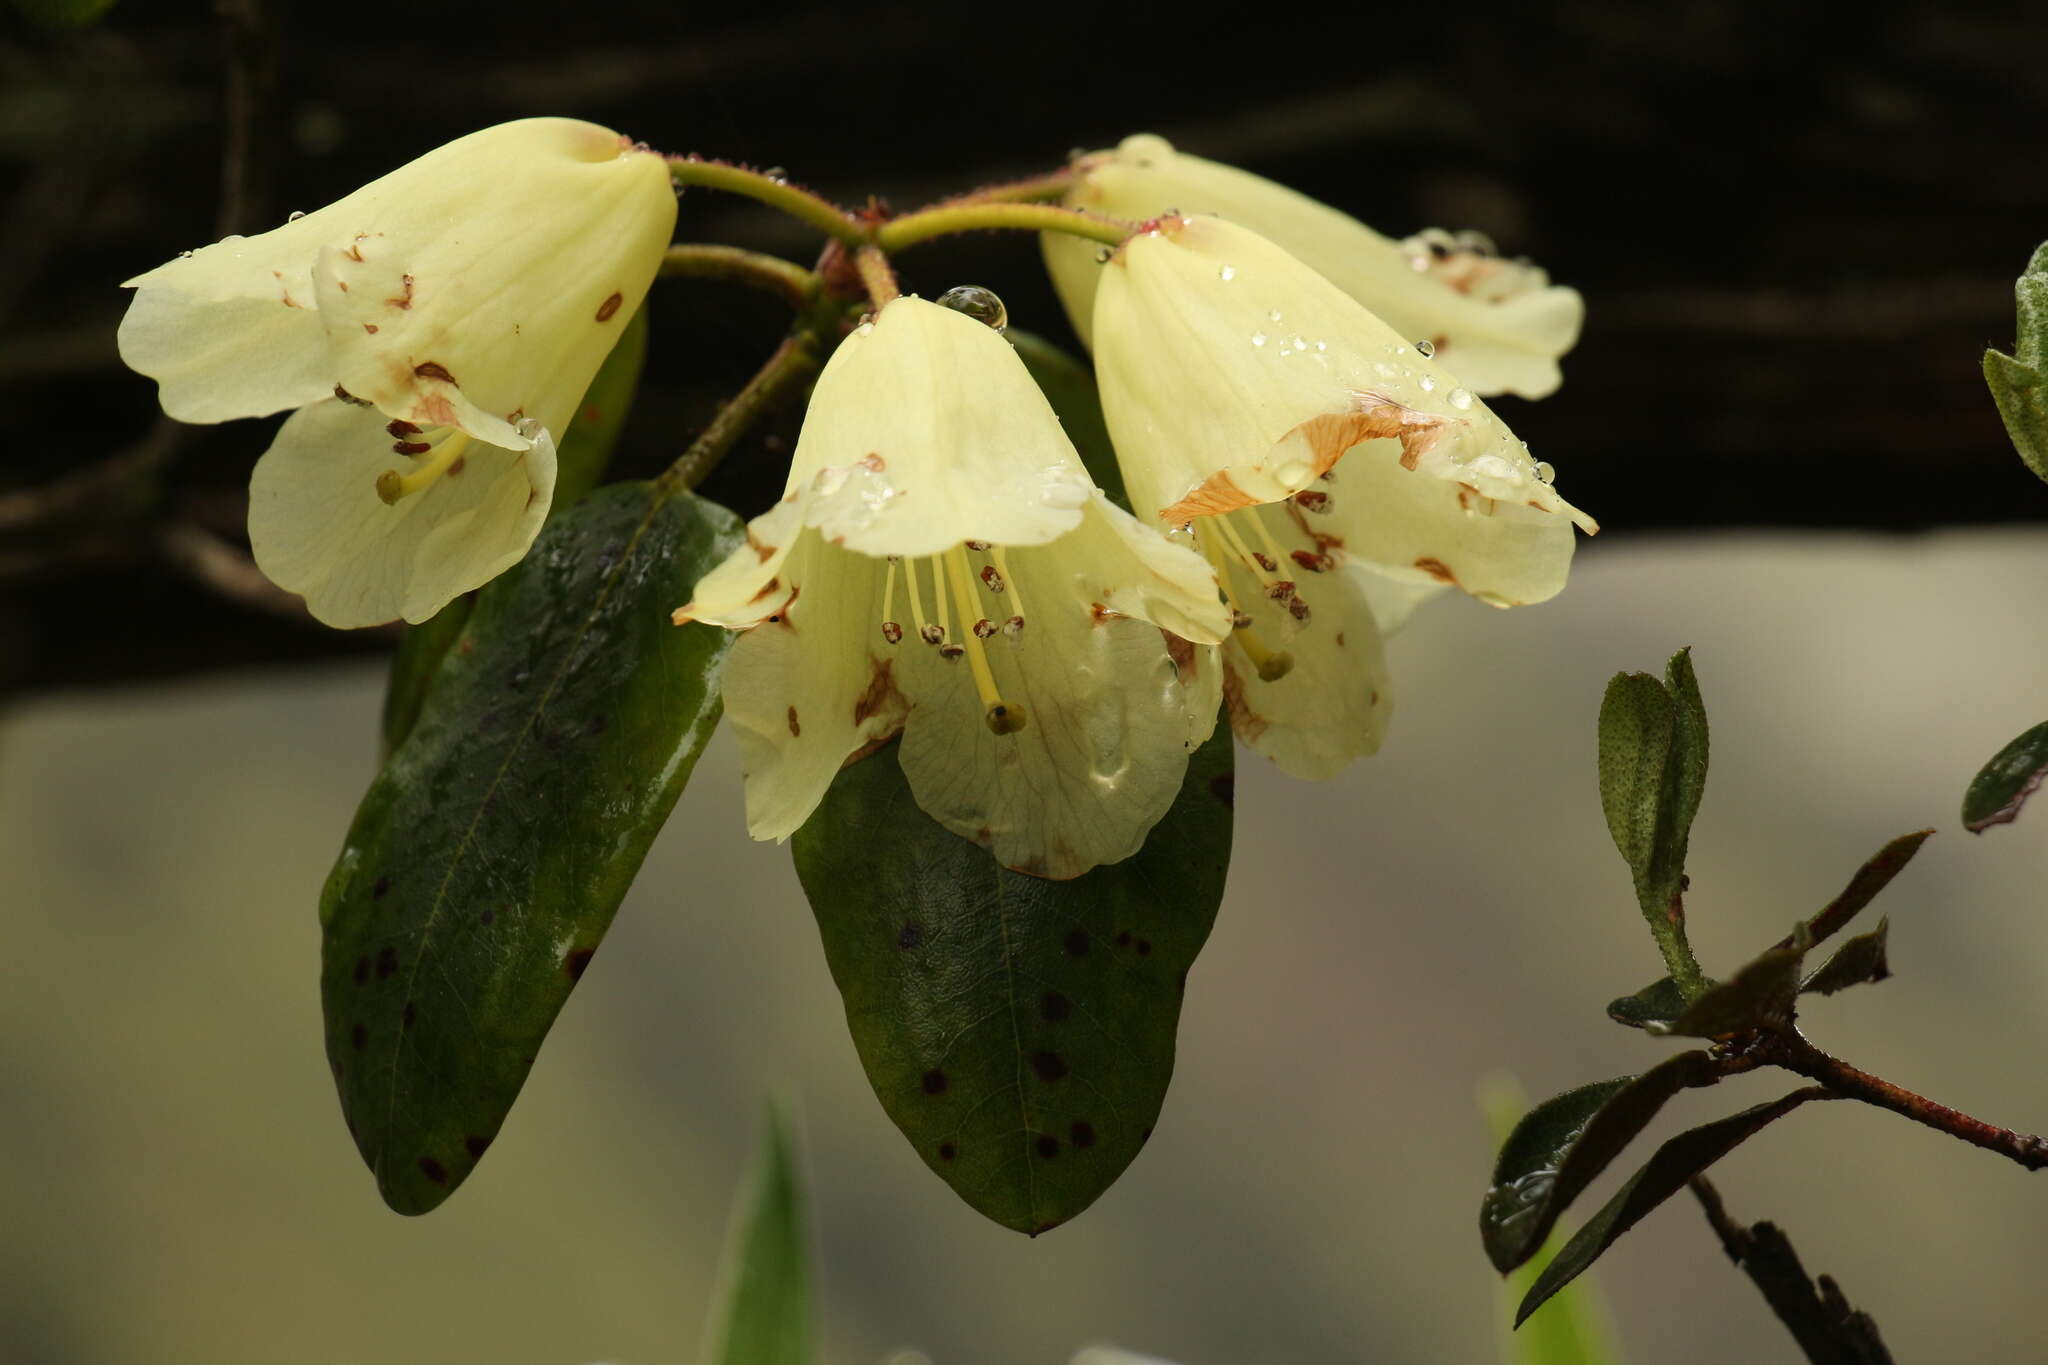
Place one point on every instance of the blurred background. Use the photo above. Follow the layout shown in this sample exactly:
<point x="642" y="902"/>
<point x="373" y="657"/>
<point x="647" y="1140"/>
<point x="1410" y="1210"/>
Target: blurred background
<point x="1796" y="228"/>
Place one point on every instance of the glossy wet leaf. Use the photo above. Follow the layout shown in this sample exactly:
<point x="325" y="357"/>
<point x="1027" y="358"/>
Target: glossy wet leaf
<point x="1859" y="960"/>
<point x="2019" y="382"/>
<point x="1664" y="1175"/>
<point x="580" y="462"/>
<point x="1563" y="1144"/>
<point x="1069" y="385"/>
<point x="1019" y="1031"/>
<point x="1657" y="1003"/>
<point x="1871" y="878"/>
<point x="761" y="1311"/>
<point x="1760" y="992"/>
<point x="1653" y="771"/>
<point x="486" y="860"/>
<point x="2003" y="785"/>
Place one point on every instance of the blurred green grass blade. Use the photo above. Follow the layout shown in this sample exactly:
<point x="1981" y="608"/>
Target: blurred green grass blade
<point x="1577" y="1329"/>
<point x="761" y="1314"/>
<point x="1020" y="1032"/>
<point x="488" y="856"/>
<point x="585" y="453"/>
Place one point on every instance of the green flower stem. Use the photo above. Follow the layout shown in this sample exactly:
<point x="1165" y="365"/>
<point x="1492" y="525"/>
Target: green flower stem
<point x="784" y="279"/>
<point x="1037" y="189"/>
<point x="794" y="361"/>
<point x="794" y="200"/>
<point x="943" y="220"/>
<point x="875" y="274"/>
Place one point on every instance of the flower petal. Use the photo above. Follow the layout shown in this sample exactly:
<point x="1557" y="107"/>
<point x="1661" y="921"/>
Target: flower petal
<point x="925" y="430"/>
<point x="319" y="527"/>
<point x="1334" y="703"/>
<point x="811" y="684"/>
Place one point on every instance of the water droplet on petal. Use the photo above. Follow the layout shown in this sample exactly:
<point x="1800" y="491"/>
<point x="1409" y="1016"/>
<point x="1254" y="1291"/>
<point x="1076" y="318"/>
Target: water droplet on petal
<point x="1258" y="338"/>
<point x="1295" y="474"/>
<point x="1273" y="316"/>
<point x="1461" y="398"/>
<point x="1545" y="473"/>
<point x="1425" y="349"/>
<point x="1228" y="273"/>
<point x="864" y="329"/>
<point x="980" y="304"/>
<point x="1428" y="383"/>
<point x="183" y="255"/>
<point x="295" y="215"/>
<point x="1300" y="344"/>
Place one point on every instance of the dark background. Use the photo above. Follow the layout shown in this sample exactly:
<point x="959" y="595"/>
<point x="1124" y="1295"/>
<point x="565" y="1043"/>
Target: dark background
<point x="1796" y="228"/>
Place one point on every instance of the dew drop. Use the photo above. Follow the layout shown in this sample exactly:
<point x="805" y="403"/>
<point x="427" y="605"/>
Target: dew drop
<point x="1428" y="383"/>
<point x="864" y="329"/>
<point x="1295" y="474"/>
<point x="980" y="304"/>
<point x="295" y="215"/>
<point x="1258" y="338"/>
<point x="1273" y="316"/>
<point x="1322" y="345"/>
<point x="777" y="174"/>
<point x="1300" y="344"/>
<point x="183" y="255"/>
<point x="1102" y="255"/>
<point x="1227" y="273"/>
<point x="1425" y="349"/>
<point x="1461" y="398"/>
<point x="1545" y="473"/>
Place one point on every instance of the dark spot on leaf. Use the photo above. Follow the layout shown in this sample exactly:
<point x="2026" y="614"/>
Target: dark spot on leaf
<point x="1082" y="1134"/>
<point x="934" y="1082"/>
<point x="1050" y="1066"/>
<point x="362" y="969"/>
<point x="1077" y="942"/>
<point x="1144" y="946"/>
<point x="1123" y="940"/>
<point x="387" y="961"/>
<point x="382" y="885"/>
<point x="947" y="1151"/>
<point x="358" y="1036"/>
<point x="576" y="961"/>
<point x="476" y="1145"/>
<point x="910" y="935"/>
<point x="486" y="917"/>
<point x="1054" y="1006"/>
<point x="1048" y="1146"/>
<point x="433" y="1170"/>
<point x="1223" y="787"/>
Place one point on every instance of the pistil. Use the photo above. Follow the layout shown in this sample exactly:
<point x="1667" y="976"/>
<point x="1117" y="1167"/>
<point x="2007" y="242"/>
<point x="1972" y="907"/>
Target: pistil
<point x="392" y="485"/>
<point x="1003" y="717"/>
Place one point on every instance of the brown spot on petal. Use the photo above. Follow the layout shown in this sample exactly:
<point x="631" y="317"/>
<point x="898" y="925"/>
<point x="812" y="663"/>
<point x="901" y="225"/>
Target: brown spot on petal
<point x="610" y="306"/>
<point x="766" y="552"/>
<point x="405" y="300"/>
<point x="1218" y="494"/>
<point x="772" y="585"/>
<point x="433" y="369"/>
<point x="370" y="327"/>
<point x="1436" y="569"/>
<point x="794" y="728"/>
<point x="1372" y="416"/>
<point x="1103" y="614"/>
<point x="1245" y="723"/>
<point x="880" y="697"/>
<point x="872" y="462"/>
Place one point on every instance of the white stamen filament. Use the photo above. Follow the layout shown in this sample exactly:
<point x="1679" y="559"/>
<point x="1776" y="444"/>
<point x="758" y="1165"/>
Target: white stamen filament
<point x="1272" y="664"/>
<point x="1002" y="717"/>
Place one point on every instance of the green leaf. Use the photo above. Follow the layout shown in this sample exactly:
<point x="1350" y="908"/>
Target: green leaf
<point x="2003" y="785"/>
<point x="1019" y="1031"/>
<point x="1871" y="878"/>
<point x="1860" y="960"/>
<point x="761" y="1312"/>
<point x="2019" y="382"/>
<point x="1657" y="1003"/>
<point x="585" y="452"/>
<point x="1563" y="1144"/>
<point x="1653" y="771"/>
<point x="1069" y="385"/>
<point x="1760" y="992"/>
<point x="1665" y="1174"/>
<point x="60" y="14"/>
<point x="486" y="860"/>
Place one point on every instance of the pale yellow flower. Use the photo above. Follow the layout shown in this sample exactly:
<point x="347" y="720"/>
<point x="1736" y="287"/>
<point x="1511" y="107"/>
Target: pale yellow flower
<point x="435" y="330"/>
<point x="1234" y="380"/>
<point x="1499" y="325"/>
<point x="941" y="564"/>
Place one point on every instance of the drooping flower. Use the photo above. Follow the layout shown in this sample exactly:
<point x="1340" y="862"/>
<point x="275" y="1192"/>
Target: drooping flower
<point x="942" y="565"/>
<point x="435" y="330"/>
<point x="1295" y="434"/>
<point x="1498" y="324"/>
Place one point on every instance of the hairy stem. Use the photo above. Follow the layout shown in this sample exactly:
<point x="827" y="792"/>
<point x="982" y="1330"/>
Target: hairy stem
<point x="1791" y="1050"/>
<point x="1668" y="929"/>
<point x="875" y="275"/>
<point x="944" y="220"/>
<point x="785" y="279"/>
<point x="774" y="191"/>
<point x="1037" y="189"/>
<point x="792" y="362"/>
<point x="1827" y="1329"/>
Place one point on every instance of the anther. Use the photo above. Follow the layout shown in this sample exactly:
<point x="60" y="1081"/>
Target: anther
<point x="1312" y="561"/>
<point x="411" y="447"/>
<point x="399" y="427"/>
<point x="1240" y="620"/>
<point x="1312" y="500"/>
<point x="984" y="628"/>
<point x="892" y="632"/>
<point x="977" y="545"/>
<point x="1298" y="609"/>
<point x="950" y="650"/>
<point x="931" y="634"/>
<point x="1265" y="561"/>
<point x="991" y="579"/>
<point x="1280" y="589"/>
<point x="1014" y="627"/>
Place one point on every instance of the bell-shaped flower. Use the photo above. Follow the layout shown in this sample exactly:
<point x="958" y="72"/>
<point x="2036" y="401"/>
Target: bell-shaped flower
<point x="435" y="330"/>
<point x="1499" y="325"/>
<point x="1294" y="434"/>
<point x="941" y="564"/>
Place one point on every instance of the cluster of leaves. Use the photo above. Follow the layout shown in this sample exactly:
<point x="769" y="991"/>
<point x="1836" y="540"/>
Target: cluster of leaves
<point x="1653" y="763"/>
<point x="1019" y="1031"/>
